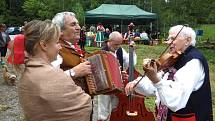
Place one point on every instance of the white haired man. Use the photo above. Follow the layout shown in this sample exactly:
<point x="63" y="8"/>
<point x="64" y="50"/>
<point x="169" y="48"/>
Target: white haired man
<point x="69" y="58"/>
<point x="184" y="92"/>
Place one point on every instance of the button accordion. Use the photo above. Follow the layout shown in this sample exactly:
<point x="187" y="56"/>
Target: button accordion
<point x="106" y="75"/>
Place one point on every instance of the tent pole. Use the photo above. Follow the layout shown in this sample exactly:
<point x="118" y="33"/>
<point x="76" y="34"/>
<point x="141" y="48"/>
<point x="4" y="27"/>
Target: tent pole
<point x="121" y="25"/>
<point x="157" y="29"/>
<point x="84" y="22"/>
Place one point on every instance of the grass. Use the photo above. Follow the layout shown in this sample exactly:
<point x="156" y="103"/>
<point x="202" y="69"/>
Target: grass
<point x="208" y="32"/>
<point x="144" y="51"/>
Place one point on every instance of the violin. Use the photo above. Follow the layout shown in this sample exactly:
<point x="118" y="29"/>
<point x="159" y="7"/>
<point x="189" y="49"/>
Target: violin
<point x="167" y="60"/>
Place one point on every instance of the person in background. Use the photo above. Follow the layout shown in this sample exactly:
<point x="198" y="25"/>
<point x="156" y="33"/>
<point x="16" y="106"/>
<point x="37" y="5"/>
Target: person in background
<point x="82" y="40"/>
<point x="144" y="38"/>
<point x="4" y="40"/>
<point x="130" y="32"/>
<point x="17" y="53"/>
<point x="90" y="37"/>
<point x="106" y="103"/>
<point x="99" y="35"/>
<point x="137" y="36"/>
<point x="107" y="33"/>
<point x="8" y="77"/>
<point x="46" y="93"/>
<point x="183" y="91"/>
<point x="93" y="29"/>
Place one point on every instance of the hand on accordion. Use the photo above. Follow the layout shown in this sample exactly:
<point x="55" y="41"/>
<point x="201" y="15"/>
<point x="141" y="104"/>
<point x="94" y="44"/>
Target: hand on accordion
<point x="82" y="69"/>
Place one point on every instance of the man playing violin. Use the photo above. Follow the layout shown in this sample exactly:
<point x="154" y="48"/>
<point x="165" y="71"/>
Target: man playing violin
<point x="182" y="92"/>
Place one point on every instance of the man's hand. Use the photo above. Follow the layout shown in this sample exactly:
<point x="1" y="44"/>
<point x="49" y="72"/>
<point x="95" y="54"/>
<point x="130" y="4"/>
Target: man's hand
<point x="150" y="69"/>
<point x="82" y="69"/>
<point x="124" y="75"/>
<point x="129" y="88"/>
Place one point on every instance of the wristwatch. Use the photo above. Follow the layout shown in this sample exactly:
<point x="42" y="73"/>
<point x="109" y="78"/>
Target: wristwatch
<point x="71" y="72"/>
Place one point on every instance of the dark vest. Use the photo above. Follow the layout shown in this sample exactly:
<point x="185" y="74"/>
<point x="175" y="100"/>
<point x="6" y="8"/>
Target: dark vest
<point x="119" y="55"/>
<point x="200" y="101"/>
<point x="2" y="42"/>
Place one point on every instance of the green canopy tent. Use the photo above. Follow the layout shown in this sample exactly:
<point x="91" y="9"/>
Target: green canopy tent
<point x="118" y="14"/>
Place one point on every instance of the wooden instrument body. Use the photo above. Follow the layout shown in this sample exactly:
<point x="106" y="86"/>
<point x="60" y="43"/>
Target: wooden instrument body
<point x="131" y="110"/>
<point x="167" y="60"/>
<point x="71" y="59"/>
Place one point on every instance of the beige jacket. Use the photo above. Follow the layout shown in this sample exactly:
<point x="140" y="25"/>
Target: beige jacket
<point x="47" y="94"/>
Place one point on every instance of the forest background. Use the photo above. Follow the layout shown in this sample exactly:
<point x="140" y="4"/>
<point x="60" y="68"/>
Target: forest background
<point x="170" y="12"/>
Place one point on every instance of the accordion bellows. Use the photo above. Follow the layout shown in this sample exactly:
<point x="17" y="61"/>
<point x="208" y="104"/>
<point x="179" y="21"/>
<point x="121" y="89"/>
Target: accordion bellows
<point x="106" y="76"/>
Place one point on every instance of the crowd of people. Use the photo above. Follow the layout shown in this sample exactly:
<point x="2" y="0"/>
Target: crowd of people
<point x="52" y="84"/>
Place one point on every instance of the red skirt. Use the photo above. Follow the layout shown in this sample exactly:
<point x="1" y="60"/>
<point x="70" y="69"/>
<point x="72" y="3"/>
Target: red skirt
<point x="18" y="50"/>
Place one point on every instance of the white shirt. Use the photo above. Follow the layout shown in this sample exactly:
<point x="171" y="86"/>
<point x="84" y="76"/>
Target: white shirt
<point x="144" y="36"/>
<point x="125" y="57"/>
<point x="175" y="94"/>
<point x="59" y="61"/>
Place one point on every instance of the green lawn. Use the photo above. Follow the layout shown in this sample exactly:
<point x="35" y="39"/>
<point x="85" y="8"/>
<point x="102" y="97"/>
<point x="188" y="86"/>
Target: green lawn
<point x="144" y="51"/>
<point x="208" y="32"/>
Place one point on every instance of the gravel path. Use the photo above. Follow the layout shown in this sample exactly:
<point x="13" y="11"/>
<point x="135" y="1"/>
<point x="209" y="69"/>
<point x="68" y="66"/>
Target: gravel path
<point x="10" y="109"/>
<point x="9" y="104"/>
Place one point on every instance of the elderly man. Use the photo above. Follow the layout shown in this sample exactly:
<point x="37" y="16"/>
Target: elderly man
<point x="183" y="92"/>
<point x="108" y="102"/>
<point x="70" y="54"/>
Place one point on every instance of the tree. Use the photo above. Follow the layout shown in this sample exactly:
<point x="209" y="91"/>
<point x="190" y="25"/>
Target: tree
<point x="42" y="9"/>
<point x="2" y="11"/>
<point x="190" y="12"/>
<point x="78" y="9"/>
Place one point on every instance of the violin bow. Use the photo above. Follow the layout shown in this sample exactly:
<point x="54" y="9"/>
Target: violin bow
<point x="172" y="40"/>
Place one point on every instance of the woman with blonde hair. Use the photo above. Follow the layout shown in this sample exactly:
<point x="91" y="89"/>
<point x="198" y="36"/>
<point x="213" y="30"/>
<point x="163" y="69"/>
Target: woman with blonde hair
<point x="47" y="93"/>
